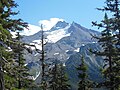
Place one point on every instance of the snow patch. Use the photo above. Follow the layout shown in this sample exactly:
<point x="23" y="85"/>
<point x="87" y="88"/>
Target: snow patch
<point x="26" y="64"/>
<point x="94" y="42"/>
<point x="36" y="41"/>
<point x="13" y="34"/>
<point x="67" y="57"/>
<point x="38" y="46"/>
<point x="33" y="48"/>
<point x="83" y="44"/>
<point x="64" y="64"/>
<point x="34" y="78"/>
<point x="56" y="35"/>
<point x="67" y="51"/>
<point x="9" y="49"/>
<point x="36" y="54"/>
<point x="77" y="50"/>
<point x="56" y="53"/>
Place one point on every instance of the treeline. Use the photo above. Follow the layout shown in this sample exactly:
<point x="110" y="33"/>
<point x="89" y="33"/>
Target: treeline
<point x="14" y="74"/>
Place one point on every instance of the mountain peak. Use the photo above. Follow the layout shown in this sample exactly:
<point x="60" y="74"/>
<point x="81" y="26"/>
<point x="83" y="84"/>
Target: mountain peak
<point x="59" y="25"/>
<point x="76" y="24"/>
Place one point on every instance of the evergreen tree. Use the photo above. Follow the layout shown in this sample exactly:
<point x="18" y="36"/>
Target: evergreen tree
<point x="23" y="78"/>
<point x="58" y="78"/>
<point x="84" y="83"/>
<point x="2" y="62"/>
<point x="109" y="41"/>
<point x="106" y="40"/>
<point x="53" y="75"/>
<point x="63" y="79"/>
<point x="9" y="77"/>
<point x="7" y="24"/>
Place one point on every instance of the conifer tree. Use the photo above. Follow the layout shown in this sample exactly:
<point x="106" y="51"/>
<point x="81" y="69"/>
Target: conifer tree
<point x="84" y="83"/>
<point x="106" y="41"/>
<point x="109" y="41"/>
<point x="1" y="68"/>
<point x="23" y="78"/>
<point x="9" y="77"/>
<point x="7" y="24"/>
<point x="63" y="79"/>
<point x="58" y="78"/>
<point x="53" y="75"/>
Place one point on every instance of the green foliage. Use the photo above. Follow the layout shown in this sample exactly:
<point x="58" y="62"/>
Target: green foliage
<point x="21" y="73"/>
<point x="9" y="82"/>
<point x="8" y="72"/>
<point x="58" y="80"/>
<point x="6" y="12"/>
<point x="84" y="83"/>
<point x="63" y="79"/>
<point x="110" y="42"/>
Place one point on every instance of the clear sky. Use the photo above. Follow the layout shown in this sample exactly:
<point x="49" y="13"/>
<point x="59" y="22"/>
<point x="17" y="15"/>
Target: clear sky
<point x="80" y="11"/>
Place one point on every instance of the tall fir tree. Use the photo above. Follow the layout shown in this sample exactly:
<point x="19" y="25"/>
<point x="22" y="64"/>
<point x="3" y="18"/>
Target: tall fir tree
<point x="58" y="79"/>
<point x="109" y="41"/>
<point x="7" y="24"/>
<point x="22" y="76"/>
<point x="84" y="83"/>
<point x="2" y="61"/>
<point x="63" y="81"/>
<point x="53" y="74"/>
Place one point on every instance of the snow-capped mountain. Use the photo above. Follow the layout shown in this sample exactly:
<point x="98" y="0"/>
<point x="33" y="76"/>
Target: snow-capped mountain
<point x="53" y="35"/>
<point x="65" y="43"/>
<point x="61" y="30"/>
<point x="57" y="32"/>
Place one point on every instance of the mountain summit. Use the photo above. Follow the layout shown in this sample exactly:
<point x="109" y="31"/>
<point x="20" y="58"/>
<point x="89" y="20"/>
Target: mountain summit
<point x="59" y="25"/>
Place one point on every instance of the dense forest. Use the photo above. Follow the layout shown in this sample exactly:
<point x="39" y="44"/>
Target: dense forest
<point x="14" y="73"/>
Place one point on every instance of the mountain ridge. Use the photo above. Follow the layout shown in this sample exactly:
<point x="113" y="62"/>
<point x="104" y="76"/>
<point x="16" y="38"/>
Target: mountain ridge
<point x="63" y="25"/>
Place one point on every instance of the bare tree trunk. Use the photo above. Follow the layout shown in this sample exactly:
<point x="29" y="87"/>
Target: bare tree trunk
<point x="1" y="74"/>
<point x="1" y="80"/>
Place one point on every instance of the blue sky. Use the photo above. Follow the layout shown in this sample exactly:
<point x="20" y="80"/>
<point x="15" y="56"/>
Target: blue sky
<point x="80" y="11"/>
